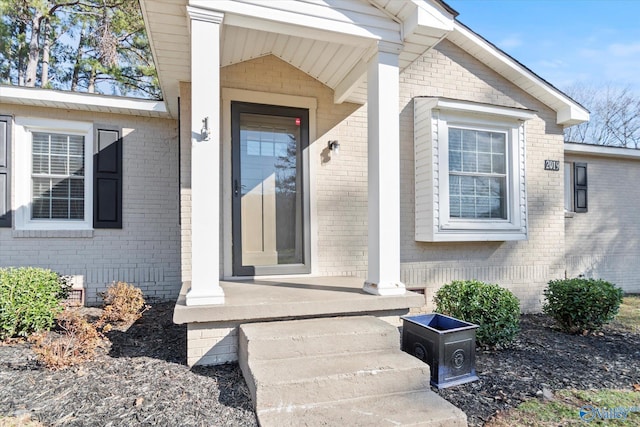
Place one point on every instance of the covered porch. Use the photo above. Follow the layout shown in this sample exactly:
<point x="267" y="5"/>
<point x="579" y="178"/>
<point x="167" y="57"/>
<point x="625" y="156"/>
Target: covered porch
<point x="354" y="50"/>
<point x="212" y="331"/>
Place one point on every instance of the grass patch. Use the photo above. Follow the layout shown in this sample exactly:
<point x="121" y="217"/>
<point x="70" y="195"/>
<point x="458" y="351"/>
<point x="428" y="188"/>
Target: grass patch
<point x="565" y="408"/>
<point x="629" y="315"/>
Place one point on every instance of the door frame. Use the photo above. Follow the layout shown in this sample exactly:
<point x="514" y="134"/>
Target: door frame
<point x="302" y="166"/>
<point x="230" y="95"/>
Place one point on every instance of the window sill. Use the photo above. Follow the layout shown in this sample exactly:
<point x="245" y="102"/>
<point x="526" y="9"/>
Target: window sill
<point x="475" y="236"/>
<point x="75" y="234"/>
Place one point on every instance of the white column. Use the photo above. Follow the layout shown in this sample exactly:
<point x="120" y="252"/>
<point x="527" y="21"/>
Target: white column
<point x="384" y="173"/>
<point x="205" y="158"/>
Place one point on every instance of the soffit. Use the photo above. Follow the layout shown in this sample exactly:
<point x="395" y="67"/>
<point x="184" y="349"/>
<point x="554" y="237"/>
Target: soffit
<point x="330" y="40"/>
<point x="334" y="44"/>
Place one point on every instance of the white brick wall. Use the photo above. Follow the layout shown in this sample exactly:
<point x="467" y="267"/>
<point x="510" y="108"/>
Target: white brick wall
<point x="524" y="266"/>
<point x="212" y="343"/>
<point x="602" y="243"/>
<point x="341" y="192"/>
<point x="146" y="251"/>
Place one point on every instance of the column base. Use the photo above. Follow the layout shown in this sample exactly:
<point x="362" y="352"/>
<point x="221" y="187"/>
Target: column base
<point x="213" y="296"/>
<point x="385" y="288"/>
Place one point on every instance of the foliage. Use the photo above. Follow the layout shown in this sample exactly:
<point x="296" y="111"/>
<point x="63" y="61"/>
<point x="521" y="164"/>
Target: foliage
<point x="581" y="304"/>
<point x="496" y="310"/>
<point x="30" y="298"/>
<point x="614" y="116"/>
<point x="89" y="45"/>
<point x="76" y="344"/>
<point x="124" y="305"/>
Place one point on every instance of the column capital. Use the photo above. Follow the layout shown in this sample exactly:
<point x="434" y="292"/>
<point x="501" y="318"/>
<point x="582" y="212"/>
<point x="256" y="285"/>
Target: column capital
<point x="206" y="15"/>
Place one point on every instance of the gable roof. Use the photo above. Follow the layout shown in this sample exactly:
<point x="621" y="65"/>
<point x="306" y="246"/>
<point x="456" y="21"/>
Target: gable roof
<point x="342" y="34"/>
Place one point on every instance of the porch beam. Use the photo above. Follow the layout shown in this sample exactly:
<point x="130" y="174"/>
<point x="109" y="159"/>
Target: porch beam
<point x="301" y="18"/>
<point x="353" y="79"/>
<point x="205" y="158"/>
<point x="383" y="87"/>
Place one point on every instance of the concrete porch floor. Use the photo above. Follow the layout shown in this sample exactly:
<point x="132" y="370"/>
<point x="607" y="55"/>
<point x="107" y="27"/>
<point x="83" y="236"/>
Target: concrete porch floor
<point x="292" y="298"/>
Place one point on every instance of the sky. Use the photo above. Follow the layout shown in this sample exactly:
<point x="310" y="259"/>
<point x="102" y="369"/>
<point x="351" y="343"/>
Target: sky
<point x="563" y="41"/>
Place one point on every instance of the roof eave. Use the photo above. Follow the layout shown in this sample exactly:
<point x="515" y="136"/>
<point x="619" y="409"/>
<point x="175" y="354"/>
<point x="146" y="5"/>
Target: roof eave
<point x="82" y="101"/>
<point x="569" y="112"/>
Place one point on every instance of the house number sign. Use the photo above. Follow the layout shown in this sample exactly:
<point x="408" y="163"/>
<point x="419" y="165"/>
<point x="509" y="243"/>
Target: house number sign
<point x="552" y="165"/>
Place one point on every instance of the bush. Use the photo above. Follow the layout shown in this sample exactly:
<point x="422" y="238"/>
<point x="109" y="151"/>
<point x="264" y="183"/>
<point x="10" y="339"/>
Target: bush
<point x="496" y="310"/>
<point x="579" y="305"/>
<point x="124" y="305"/>
<point x="30" y="298"/>
<point x="76" y="343"/>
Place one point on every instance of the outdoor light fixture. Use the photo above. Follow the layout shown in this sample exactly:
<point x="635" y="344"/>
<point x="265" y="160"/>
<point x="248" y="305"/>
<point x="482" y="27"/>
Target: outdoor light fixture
<point x="205" y="132"/>
<point x="334" y="146"/>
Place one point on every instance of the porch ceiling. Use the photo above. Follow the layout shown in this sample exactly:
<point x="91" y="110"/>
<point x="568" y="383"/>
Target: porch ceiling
<point x="333" y="46"/>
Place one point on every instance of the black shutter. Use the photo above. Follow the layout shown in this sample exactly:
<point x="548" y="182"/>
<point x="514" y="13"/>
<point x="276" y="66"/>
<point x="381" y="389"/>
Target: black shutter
<point x="580" y="187"/>
<point x="5" y="171"/>
<point x="107" y="177"/>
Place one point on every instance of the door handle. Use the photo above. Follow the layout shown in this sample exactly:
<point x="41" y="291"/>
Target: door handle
<point x="236" y="188"/>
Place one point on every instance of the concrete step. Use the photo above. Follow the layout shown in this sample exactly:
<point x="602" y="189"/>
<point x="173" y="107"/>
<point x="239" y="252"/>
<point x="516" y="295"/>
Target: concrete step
<point x="282" y="383"/>
<point x="420" y="408"/>
<point x="313" y="337"/>
<point x="338" y="371"/>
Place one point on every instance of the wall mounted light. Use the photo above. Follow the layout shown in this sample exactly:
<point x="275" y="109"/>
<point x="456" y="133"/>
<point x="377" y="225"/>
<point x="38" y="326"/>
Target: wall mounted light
<point x="334" y="146"/>
<point x="205" y="132"/>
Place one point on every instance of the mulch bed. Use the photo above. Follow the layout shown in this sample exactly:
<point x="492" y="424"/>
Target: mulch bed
<point x="542" y="358"/>
<point x="142" y="379"/>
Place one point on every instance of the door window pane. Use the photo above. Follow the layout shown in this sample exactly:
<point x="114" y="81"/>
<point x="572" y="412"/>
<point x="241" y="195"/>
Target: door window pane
<point x="270" y="190"/>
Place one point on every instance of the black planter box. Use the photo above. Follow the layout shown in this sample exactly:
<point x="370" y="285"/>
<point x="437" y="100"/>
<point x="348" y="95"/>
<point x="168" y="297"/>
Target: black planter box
<point x="447" y="344"/>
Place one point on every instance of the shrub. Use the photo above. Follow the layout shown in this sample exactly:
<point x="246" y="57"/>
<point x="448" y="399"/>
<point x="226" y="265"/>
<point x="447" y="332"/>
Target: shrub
<point x="124" y="304"/>
<point x="30" y="298"/>
<point x="579" y="305"/>
<point x="76" y="343"/>
<point x="496" y="310"/>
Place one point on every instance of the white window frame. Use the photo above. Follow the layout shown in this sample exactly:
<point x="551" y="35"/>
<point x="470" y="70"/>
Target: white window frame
<point x="24" y="127"/>
<point x="443" y="114"/>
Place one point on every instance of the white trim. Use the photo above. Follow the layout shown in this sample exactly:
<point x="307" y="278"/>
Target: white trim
<point x="601" y="151"/>
<point x="81" y="101"/>
<point x="205" y="15"/>
<point x="442" y="115"/>
<point x="268" y="98"/>
<point x="24" y="126"/>
<point x="305" y="18"/>
<point x="475" y="108"/>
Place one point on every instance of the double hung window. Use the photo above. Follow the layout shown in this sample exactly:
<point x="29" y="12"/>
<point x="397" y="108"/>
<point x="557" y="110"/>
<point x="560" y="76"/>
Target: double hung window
<point x="470" y="171"/>
<point x="54" y="189"/>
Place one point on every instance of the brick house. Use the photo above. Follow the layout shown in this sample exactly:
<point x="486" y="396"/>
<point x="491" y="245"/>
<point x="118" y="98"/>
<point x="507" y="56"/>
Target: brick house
<point x="309" y="159"/>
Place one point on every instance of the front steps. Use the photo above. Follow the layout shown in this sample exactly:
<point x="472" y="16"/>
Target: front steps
<point x="338" y="371"/>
